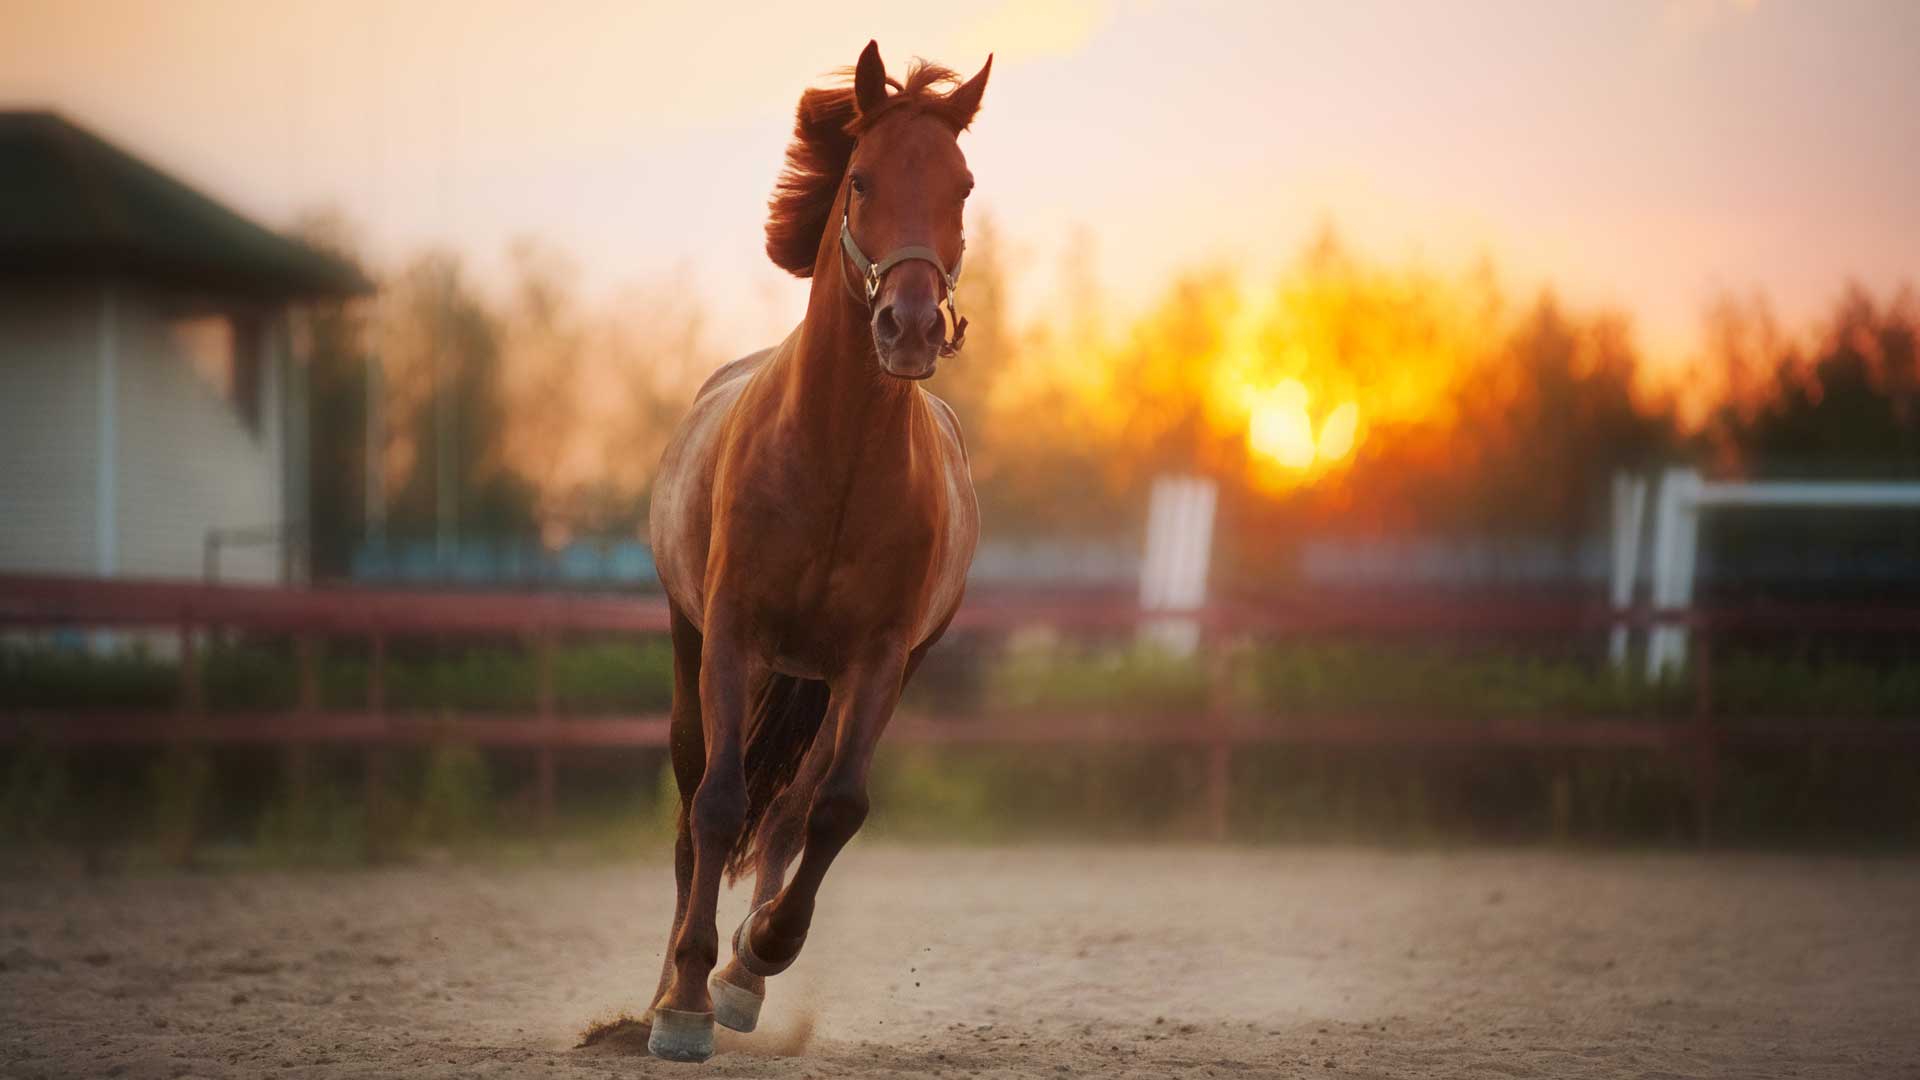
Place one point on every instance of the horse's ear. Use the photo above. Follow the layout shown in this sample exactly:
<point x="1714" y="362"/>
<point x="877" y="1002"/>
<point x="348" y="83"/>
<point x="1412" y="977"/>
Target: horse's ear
<point x="963" y="103"/>
<point x="869" y="80"/>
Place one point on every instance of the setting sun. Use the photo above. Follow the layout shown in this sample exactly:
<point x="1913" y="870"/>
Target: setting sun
<point x="1278" y="427"/>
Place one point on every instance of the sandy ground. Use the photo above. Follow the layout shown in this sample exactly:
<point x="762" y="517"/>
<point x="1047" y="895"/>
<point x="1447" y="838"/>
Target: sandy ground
<point x="998" y="963"/>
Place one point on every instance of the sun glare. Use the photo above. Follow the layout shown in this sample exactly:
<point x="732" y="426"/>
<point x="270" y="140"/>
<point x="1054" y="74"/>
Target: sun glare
<point x="1290" y="381"/>
<point x="1278" y="427"/>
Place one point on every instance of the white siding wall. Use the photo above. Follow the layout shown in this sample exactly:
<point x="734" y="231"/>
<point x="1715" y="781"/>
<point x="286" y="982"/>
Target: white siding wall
<point x="185" y="463"/>
<point x="49" y="429"/>
<point x="189" y="462"/>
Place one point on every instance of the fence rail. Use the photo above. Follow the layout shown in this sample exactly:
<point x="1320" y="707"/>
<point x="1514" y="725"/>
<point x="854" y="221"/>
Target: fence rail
<point x="1217" y="730"/>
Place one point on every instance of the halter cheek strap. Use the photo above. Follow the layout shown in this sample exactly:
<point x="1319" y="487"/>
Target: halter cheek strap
<point x="872" y="273"/>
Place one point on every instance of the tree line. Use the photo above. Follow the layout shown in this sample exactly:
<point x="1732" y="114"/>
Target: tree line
<point x="1459" y="409"/>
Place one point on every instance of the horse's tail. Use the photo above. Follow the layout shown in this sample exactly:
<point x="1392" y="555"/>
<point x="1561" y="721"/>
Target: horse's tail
<point x="786" y="716"/>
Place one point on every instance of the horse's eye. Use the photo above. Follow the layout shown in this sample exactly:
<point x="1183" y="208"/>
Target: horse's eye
<point x="859" y="184"/>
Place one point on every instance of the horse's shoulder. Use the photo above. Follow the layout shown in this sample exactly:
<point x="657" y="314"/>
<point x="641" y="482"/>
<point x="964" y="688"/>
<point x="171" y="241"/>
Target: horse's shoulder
<point x="948" y="420"/>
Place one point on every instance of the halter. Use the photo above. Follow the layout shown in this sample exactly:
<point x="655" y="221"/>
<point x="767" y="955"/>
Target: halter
<point x="871" y="273"/>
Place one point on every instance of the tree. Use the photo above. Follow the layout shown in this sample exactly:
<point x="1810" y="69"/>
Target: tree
<point x="1842" y="408"/>
<point x="1849" y="410"/>
<point x="335" y="340"/>
<point x="1548" y="438"/>
<point x="443" y="355"/>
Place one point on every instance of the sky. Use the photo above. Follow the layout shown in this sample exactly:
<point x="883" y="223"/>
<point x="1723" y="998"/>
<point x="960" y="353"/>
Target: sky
<point x="1647" y="155"/>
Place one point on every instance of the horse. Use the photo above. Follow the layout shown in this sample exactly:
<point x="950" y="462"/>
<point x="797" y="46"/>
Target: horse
<point x="813" y="521"/>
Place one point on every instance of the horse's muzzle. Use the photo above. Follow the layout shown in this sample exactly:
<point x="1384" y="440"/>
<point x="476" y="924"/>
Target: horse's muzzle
<point x="907" y="334"/>
<point x="908" y="370"/>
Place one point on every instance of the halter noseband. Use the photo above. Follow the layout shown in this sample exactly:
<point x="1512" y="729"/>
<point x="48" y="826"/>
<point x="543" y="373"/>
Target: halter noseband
<point x="871" y="274"/>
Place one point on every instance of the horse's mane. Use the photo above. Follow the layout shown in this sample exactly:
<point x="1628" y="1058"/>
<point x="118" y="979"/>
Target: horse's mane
<point x="824" y="131"/>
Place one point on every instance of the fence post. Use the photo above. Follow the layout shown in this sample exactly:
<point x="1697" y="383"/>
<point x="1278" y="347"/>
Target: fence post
<point x="1706" y="734"/>
<point x="1560" y="795"/>
<point x="306" y="649"/>
<point x="378" y="811"/>
<point x="1676" y="543"/>
<point x="1629" y="511"/>
<point x="193" y="697"/>
<point x="178" y="847"/>
<point x="299" y="752"/>
<point x="1219" y="783"/>
<point x="1219" y="746"/>
<point x="543" y="762"/>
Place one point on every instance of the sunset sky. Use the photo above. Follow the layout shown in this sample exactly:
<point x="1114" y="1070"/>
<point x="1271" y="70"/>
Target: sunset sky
<point x="1648" y="155"/>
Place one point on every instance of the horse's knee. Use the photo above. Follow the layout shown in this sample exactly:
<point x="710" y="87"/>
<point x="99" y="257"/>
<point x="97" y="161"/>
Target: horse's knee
<point x="719" y="808"/>
<point x="838" y="812"/>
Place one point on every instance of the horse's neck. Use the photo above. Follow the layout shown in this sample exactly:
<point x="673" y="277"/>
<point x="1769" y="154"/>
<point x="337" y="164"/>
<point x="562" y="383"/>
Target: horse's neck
<point x="830" y="383"/>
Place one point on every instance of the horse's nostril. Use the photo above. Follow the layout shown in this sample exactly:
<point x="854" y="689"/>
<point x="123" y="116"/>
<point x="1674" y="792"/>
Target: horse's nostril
<point x="885" y="326"/>
<point x="930" y="325"/>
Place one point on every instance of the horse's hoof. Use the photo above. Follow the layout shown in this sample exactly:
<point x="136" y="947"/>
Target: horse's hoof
<point x="734" y="1007"/>
<point x="743" y="949"/>
<point x="681" y="1036"/>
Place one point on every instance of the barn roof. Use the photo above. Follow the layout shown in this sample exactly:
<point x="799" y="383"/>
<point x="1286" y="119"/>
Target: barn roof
<point x="72" y="203"/>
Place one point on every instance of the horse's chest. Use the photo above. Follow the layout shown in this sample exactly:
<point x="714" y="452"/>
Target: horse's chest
<point x="863" y="564"/>
<point x="813" y="556"/>
<point x="887" y="567"/>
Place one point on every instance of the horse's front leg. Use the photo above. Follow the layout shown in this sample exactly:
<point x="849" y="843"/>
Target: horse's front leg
<point x="683" y="1018"/>
<point x="863" y="701"/>
<point x="687" y="747"/>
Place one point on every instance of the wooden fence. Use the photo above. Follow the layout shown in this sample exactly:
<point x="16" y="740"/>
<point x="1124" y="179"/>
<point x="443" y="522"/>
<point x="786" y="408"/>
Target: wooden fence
<point x="189" y="612"/>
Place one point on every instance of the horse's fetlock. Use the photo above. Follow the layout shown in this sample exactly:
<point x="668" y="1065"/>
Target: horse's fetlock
<point x="700" y="951"/>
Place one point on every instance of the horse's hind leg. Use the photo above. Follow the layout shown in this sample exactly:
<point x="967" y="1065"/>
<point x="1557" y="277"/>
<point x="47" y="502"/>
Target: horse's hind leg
<point x="687" y="749"/>
<point x="737" y="992"/>
<point x="863" y="701"/>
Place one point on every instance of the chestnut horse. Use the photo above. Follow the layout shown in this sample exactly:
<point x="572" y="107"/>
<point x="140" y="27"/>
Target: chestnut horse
<point x="813" y="523"/>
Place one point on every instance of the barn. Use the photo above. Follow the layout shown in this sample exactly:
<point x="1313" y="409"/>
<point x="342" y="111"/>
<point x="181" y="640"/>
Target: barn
<point x="152" y="418"/>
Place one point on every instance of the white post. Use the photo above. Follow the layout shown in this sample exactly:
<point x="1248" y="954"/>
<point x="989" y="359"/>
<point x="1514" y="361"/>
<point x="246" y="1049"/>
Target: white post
<point x="1676" y="540"/>
<point x="1629" y="514"/>
<point x="106" y="478"/>
<point x="1173" y="576"/>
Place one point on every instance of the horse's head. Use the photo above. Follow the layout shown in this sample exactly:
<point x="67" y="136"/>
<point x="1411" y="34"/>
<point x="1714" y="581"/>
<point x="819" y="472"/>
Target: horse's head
<point x="874" y="193"/>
